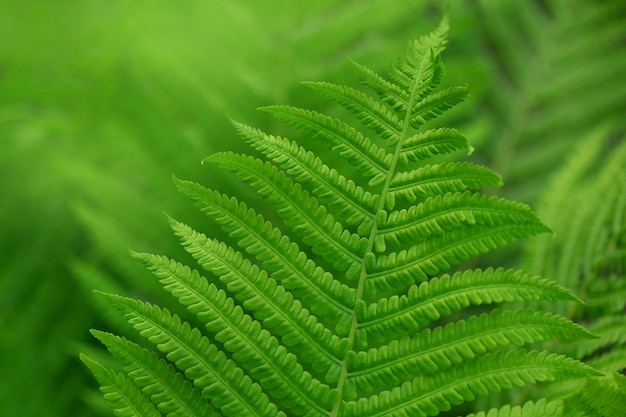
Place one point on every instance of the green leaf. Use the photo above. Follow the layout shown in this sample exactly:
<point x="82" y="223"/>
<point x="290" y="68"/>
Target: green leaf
<point x="122" y="395"/>
<point x="429" y="394"/>
<point x="349" y="202"/>
<point x="251" y="346"/>
<point x="429" y="258"/>
<point x="371" y="160"/>
<point x="271" y="303"/>
<point x="439" y="297"/>
<point x="167" y="389"/>
<point x="292" y="268"/>
<point x="219" y="378"/>
<point x="435" y="104"/>
<point x="303" y="214"/>
<point x="443" y="347"/>
<point x="432" y="180"/>
<point x="426" y="144"/>
<point x="444" y="213"/>
<point x="368" y="110"/>
<point x="541" y="408"/>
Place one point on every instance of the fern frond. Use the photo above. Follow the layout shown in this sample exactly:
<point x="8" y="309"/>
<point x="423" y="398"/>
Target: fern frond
<point x="428" y="258"/>
<point x="168" y="390"/>
<point x="349" y="202"/>
<point x="270" y="302"/>
<point x="358" y="336"/>
<point x="439" y="297"/>
<point x="443" y="347"/>
<point x="218" y="378"/>
<point x="394" y="95"/>
<point x="438" y="179"/>
<point x="590" y="255"/>
<point x="252" y="346"/>
<point x="368" y="110"/>
<point x="443" y="213"/>
<point x="435" y="104"/>
<point x="414" y="70"/>
<point x="555" y="201"/>
<point x="303" y="214"/>
<point x="424" y="145"/>
<point x="430" y="394"/>
<point x="541" y="408"/>
<point x="124" y="397"/>
<point x="371" y="160"/>
<point x="291" y="267"/>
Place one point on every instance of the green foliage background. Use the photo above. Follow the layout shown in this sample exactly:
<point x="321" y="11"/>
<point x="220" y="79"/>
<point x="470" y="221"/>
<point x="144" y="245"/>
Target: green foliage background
<point x="102" y="101"/>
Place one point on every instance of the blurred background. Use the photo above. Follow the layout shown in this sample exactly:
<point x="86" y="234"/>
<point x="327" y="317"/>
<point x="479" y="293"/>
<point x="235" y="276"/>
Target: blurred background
<point x="101" y="102"/>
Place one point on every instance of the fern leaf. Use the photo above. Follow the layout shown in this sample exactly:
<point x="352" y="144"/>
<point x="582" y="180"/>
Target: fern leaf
<point x="124" y="397"/>
<point x="359" y="336"/>
<point x="433" y="180"/>
<point x="435" y="104"/>
<point x="348" y="201"/>
<point x="394" y="95"/>
<point x="428" y="258"/>
<point x="168" y="390"/>
<point x="302" y="213"/>
<point x="292" y="268"/>
<point x="541" y="408"/>
<point x="369" y="111"/>
<point x="269" y="301"/>
<point x="371" y="160"/>
<point x="427" y="395"/>
<point x="218" y="378"/>
<point x="439" y="297"/>
<point x="432" y="351"/>
<point x="419" y="70"/>
<point x="441" y="214"/>
<point x="431" y="73"/>
<point x="424" y="145"/>
<point x="252" y="346"/>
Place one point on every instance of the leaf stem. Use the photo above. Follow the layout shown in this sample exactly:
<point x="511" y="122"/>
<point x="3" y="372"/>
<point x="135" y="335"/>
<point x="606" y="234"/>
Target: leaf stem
<point x="402" y="136"/>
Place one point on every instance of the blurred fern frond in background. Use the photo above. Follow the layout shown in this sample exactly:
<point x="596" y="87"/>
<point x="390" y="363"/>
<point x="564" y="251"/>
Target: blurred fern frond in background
<point x="553" y="74"/>
<point x="587" y="253"/>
